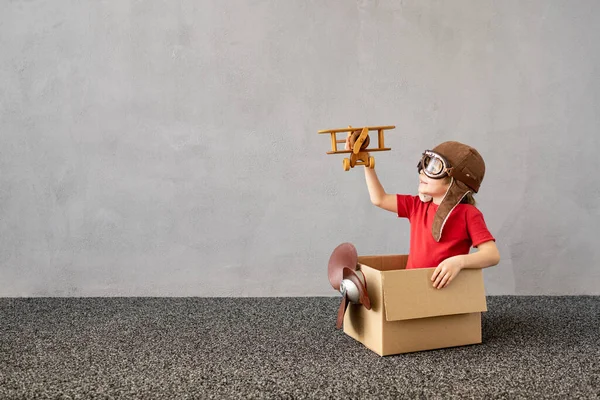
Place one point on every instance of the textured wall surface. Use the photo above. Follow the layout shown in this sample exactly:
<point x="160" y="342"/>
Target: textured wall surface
<point x="171" y="148"/>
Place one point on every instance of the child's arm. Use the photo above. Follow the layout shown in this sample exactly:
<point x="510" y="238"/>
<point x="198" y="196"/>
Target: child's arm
<point x="487" y="255"/>
<point x="376" y="192"/>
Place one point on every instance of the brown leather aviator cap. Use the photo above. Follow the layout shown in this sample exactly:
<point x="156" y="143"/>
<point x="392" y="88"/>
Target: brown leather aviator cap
<point x="467" y="168"/>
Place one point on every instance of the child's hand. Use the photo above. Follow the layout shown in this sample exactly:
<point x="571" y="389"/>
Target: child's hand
<point x="347" y="147"/>
<point x="446" y="271"/>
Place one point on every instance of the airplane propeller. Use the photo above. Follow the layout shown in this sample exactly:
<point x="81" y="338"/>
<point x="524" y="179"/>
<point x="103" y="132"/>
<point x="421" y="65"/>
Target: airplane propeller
<point x="345" y="277"/>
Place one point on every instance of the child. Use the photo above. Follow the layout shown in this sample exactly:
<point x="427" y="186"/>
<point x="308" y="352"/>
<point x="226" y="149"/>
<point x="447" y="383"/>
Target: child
<point x="444" y="222"/>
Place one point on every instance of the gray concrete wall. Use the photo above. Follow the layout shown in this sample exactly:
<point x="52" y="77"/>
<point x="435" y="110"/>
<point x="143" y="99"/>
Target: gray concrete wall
<point x="171" y="148"/>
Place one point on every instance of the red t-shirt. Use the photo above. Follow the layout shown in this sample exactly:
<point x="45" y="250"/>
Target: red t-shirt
<point x="464" y="228"/>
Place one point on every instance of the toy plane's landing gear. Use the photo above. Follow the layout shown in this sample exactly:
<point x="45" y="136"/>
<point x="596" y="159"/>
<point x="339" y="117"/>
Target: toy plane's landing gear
<point x="346" y="164"/>
<point x="361" y="158"/>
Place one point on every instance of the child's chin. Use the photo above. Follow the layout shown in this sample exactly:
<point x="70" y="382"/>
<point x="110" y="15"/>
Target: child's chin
<point x="425" y="198"/>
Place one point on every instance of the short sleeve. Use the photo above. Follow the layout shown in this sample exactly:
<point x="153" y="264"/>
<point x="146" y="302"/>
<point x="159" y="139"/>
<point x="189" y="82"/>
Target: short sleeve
<point x="406" y="205"/>
<point x="478" y="231"/>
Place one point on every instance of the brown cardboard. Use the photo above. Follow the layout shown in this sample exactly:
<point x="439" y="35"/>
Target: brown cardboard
<point x="410" y="294"/>
<point x="407" y="314"/>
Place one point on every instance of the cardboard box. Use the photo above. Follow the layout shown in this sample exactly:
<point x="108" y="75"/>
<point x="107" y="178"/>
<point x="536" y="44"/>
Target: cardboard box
<point x="408" y="314"/>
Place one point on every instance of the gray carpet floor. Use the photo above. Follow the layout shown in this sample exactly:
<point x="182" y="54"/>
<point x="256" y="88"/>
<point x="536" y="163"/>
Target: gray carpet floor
<point x="284" y="348"/>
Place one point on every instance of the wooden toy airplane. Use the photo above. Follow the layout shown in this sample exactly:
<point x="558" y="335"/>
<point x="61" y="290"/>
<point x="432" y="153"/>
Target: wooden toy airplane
<point x="359" y="143"/>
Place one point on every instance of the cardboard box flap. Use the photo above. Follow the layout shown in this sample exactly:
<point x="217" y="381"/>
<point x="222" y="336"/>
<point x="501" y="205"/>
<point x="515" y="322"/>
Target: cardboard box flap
<point x="409" y="294"/>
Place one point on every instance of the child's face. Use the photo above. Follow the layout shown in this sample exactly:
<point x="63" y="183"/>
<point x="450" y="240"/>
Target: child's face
<point x="432" y="187"/>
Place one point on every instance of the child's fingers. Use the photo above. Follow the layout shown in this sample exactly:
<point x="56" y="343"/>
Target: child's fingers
<point x="436" y="272"/>
<point x="438" y="280"/>
<point x="445" y="281"/>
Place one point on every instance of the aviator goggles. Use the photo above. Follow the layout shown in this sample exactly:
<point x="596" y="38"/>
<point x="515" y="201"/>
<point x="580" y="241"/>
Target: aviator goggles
<point x="434" y="165"/>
